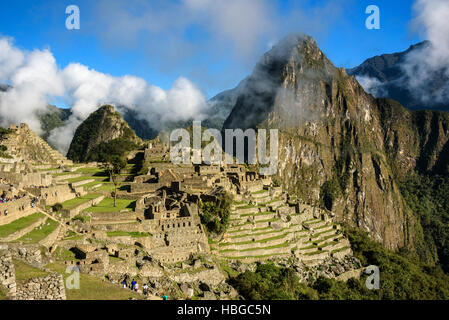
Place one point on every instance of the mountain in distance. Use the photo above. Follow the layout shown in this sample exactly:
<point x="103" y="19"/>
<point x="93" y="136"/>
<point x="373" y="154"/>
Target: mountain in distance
<point x="101" y="132"/>
<point x="386" y="78"/>
<point x="338" y="145"/>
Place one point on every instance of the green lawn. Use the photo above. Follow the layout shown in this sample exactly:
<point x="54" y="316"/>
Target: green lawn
<point x="92" y="171"/>
<point x="107" y="205"/>
<point x="25" y="272"/>
<point x="73" y="203"/>
<point x="92" y="288"/>
<point x="39" y="234"/>
<point x="19" y="224"/>
<point x="3" y="294"/>
<point x="83" y="178"/>
<point x="126" y="233"/>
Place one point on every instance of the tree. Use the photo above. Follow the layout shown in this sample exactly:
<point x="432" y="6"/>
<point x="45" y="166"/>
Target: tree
<point x="114" y="164"/>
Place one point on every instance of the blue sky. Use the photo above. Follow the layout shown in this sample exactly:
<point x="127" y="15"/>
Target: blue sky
<point x="162" y="40"/>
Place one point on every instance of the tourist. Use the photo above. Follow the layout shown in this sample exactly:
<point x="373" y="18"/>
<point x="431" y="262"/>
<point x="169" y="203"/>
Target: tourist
<point x="133" y="283"/>
<point x="6" y="213"/>
<point x="145" y="289"/>
<point x="124" y="284"/>
<point x="136" y="287"/>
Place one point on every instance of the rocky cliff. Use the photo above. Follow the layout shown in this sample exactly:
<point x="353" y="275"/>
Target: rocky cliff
<point x="339" y="145"/>
<point x="101" y="127"/>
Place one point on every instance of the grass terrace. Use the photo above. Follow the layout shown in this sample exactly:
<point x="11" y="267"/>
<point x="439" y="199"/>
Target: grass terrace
<point x="126" y="233"/>
<point x="40" y="233"/>
<point x="73" y="203"/>
<point x="25" y="272"/>
<point x="107" y="205"/>
<point x="92" y="171"/>
<point x="19" y="224"/>
<point x="83" y="178"/>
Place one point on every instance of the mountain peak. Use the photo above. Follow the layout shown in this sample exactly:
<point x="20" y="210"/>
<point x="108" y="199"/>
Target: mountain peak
<point x="102" y="127"/>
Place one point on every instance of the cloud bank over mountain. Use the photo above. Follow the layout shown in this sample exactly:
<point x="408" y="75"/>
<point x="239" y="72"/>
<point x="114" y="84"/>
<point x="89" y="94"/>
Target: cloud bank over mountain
<point x="35" y="79"/>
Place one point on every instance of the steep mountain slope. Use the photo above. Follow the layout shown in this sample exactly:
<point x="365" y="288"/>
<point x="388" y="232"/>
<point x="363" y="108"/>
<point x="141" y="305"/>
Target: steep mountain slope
<point x="385" y="77"/>
<point x="337" y="144"/>
<point x="102" y="127"/>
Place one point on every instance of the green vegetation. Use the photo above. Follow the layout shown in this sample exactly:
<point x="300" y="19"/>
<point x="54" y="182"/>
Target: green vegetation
<point x="216" y="214"/>
<point x="126" y="233"/>
<point x="25" y="272"/>
<point x="53" y="118"/>
<point x="270" y="282"/>
<point x="330" y="191"/>
<point x="73" y="203"/>
<point x="427" y="197"/>
<point x="100" y="121"/>
<point x="81" y="218"/>
<point x="57" y="207"/>
<point x="40" y="233"/>
<point x="3" y="292"/>
<point x="19" y="224"/>
<point x="107" y="205"/>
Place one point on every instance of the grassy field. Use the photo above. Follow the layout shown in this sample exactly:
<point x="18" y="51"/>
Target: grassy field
<point x="125" y="233"/>
<point x="92" y="171"/>
<point x="39" y="234"/>
<point x="3" y="294"/>
<point x="83" y="178"/>
<point x="25" y="272"/>
<point x="109" y="186"/>
<point x="107" y="205"/>
<point x="19" y="224"/>
<point x="92" y="288"/>
<point x="70" y="204"/>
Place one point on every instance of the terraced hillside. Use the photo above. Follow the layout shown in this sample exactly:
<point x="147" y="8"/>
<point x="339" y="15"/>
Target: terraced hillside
<point x="24" y="144"/>
<point x="267" y="226"/>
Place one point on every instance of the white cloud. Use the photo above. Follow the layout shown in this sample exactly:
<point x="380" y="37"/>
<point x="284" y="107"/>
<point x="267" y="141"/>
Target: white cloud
<point x="430" y="62"/>
<point x="372" y="86"/>
<point x="10" y="58"/>
<point x="36" y="78"/>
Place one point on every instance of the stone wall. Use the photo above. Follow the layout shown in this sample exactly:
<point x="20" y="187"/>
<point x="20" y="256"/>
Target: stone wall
<point x="50" y="287"/>
<point x="54" y="194"/>
<point x="113" y="216"/>
<point x="29" y="253"/>
<point x="15" y="210"/>
<point x="27" y="179"/>
<point x="7" y="271"/>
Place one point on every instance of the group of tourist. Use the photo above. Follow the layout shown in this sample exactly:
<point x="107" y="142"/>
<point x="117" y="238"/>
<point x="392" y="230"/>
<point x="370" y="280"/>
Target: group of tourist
<point x="4" y="199"/>
<point x="134" y="286"/>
